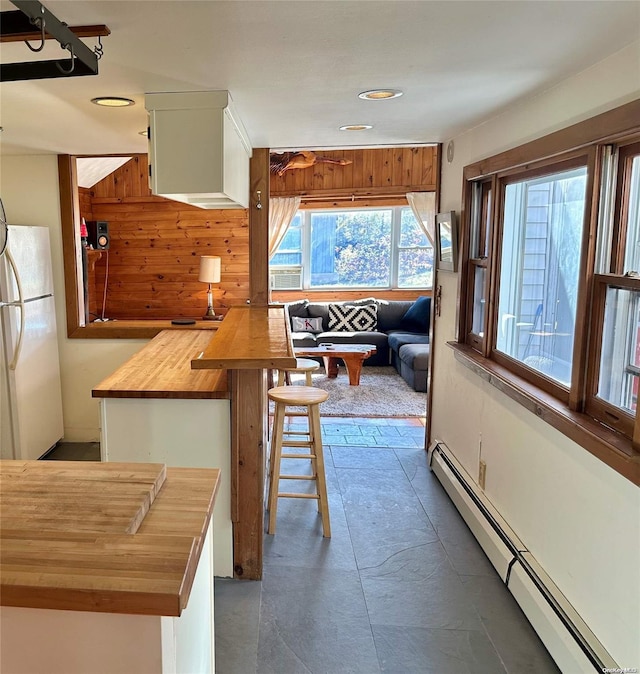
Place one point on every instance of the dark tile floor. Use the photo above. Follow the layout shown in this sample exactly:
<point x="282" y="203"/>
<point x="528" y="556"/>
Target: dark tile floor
<point x="74" y="451"/>
<point x="401" y="587"/>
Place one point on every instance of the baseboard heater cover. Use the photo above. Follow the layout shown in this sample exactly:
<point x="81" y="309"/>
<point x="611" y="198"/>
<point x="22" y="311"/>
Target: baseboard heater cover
<point x="566" y="636"/>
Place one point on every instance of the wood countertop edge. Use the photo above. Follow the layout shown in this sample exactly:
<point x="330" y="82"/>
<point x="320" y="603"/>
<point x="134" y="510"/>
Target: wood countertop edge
<point x="242" y="363"/>
<point x="93" y="601"/>
<point x="136" y="329"/>
<point x="161" y="395"/>
<point x="174" y="595"/>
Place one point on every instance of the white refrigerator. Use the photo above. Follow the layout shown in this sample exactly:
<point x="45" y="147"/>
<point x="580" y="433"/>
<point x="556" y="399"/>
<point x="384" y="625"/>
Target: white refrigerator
<point x="30" y="391"/>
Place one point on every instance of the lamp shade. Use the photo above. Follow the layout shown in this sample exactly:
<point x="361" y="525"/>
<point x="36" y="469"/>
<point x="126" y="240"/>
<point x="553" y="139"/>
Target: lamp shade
<point x="210" y="269"/>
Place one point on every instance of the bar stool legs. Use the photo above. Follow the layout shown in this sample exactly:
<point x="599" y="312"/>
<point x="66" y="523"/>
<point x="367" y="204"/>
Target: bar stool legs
<point x="310" y="398"/>
<point x="305" y="365"/>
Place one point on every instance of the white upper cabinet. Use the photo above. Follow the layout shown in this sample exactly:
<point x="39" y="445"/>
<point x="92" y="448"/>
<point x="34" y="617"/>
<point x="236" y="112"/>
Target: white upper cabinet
<point x="198" y="149"/>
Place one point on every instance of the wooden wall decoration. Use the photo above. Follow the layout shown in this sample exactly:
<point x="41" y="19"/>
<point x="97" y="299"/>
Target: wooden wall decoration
<point x="373" y="173"/>
<point x="155" y="250"/>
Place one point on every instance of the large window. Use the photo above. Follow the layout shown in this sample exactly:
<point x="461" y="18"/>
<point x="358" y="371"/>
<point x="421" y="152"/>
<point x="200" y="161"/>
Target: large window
<point x="542" y="230"/>
<point x="355" y="248"/>
<point x="551" y="281"/>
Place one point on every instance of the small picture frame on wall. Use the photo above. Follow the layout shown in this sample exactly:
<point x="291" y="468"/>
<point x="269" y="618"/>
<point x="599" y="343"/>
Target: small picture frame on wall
<point x="447" y="241"/>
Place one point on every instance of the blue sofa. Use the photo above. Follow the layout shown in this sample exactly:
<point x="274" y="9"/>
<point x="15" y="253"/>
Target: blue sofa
<point x="401" y="336"/>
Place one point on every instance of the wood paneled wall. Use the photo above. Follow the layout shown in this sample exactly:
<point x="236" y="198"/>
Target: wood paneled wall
<point x="84" y="198"/>
<point x="156" y="244"/>
<point x="381" y="172"/>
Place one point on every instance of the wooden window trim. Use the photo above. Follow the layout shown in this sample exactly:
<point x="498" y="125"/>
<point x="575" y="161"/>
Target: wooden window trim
<point x="610" y="447"/>
<point x="549" y="167"/>
<point x="595" y="406"/>
<point x="626" y="156"/>
<point x="619" y="126"/>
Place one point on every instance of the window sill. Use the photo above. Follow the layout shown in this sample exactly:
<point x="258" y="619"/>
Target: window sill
<point x="610" y="447"/>
<point x="135" y="329"/>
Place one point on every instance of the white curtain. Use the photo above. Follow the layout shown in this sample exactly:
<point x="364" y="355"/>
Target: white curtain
<point x="282" y="210"/>
<point x="423" y="205"/>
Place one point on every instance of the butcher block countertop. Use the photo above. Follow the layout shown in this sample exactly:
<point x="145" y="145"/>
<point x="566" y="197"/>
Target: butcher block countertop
<point x="249" y="338"/>
<point x="162" y="369"/>
<point x="102" y="537"/>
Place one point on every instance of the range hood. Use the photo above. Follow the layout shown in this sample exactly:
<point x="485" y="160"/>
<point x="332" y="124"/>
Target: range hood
<point x="198" y="149"/>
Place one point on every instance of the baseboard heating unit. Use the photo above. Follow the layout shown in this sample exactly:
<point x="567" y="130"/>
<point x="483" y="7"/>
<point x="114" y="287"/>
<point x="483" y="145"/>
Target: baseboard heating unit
<point x="566" y="636"/>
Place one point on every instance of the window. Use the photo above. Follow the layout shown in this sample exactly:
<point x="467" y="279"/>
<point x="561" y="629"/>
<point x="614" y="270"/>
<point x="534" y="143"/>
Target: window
<point x="289" y="251"/>
<point x="615" y="353"/>
<point x="542" y="229"/>
<point x="551" y="281"/>
<point x="356" y="248"/>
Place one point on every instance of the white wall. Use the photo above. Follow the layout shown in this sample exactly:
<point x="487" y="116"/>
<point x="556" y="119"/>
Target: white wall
<point x="578" y="517"/>
<point x="30" y="193"/>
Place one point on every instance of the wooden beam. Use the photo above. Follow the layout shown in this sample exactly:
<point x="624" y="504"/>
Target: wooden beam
<point x="259" y="292"/>
<point x="248" y="444"/>
<point x="35" y="35"/>
<point x="70" y="219"/>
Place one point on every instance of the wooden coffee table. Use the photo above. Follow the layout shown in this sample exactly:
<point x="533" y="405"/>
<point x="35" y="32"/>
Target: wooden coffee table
<point x="353" y="356"/>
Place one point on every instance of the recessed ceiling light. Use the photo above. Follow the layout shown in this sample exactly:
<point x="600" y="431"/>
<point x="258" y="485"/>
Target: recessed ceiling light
<point x="380" y="94"/>
<point x="356" y="127"/>
<point x="113" y="101"/>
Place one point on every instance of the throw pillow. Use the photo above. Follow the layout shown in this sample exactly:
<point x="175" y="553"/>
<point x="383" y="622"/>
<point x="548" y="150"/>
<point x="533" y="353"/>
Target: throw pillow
<point x="417" y="317"/>
<point x="344" y="318"/>
<point x="298" y="308"/>
<point x="306" y="324"/>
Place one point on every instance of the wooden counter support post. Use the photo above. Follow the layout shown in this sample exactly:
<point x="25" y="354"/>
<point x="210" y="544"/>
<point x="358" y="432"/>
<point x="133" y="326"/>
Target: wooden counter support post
<point x="248" y="446"/>
<point x="250" y="341"/>
<point x="259" y="293"/>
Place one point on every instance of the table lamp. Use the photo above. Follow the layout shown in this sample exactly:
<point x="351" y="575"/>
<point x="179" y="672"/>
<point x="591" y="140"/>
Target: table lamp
<point x="210" y="273"/>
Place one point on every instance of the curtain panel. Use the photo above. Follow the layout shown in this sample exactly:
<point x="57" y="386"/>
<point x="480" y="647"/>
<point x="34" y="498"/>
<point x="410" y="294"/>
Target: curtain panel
<point x="423" y="205"/>
<point x="282" y="210"/>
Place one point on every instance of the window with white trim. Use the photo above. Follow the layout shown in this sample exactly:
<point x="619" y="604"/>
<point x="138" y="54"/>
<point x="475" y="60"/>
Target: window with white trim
<point x="345" y="249"/>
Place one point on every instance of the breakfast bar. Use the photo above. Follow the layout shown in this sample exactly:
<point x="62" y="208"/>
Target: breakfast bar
<point x="197" y="399"/>
<point x="106" y="568"/>
<point x="250" y="341"/>
<point x="155" y="408"/>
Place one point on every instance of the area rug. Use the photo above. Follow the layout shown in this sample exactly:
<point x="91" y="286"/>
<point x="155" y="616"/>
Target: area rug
<point x="382" y="393"/>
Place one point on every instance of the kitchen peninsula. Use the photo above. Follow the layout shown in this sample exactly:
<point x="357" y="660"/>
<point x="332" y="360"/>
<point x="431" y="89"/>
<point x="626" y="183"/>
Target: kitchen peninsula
<point x="190" y="398"/>
<point x="155" y="408"/>
<point x="106" y="568"/>
<point x="250" y="340"/>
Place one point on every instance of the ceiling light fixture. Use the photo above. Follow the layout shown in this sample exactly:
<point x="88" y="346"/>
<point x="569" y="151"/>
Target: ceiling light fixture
<point x="112" y="101"/>
<point x="356" y="127"/>
<point x="380" y="94"/>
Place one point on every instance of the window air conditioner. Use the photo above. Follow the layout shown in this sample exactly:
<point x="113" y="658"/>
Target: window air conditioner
<point x="286" y="278"/>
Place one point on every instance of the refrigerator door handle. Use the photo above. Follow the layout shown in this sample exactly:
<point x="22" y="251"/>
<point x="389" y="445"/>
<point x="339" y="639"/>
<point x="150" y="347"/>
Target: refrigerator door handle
<point x="20" y="304"/>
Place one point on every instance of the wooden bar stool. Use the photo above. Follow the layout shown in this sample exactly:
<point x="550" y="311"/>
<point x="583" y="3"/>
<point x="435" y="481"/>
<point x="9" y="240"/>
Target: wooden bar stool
<point x="305" y="365"/>
<point x="309" y="397"/>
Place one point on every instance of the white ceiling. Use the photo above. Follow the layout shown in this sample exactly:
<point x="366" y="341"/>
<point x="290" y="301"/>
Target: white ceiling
<point x="91" y="170"/>
<point x="294" y="69"/>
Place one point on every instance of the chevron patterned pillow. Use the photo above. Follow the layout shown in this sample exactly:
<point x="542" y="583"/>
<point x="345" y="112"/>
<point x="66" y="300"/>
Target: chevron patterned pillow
<point x="344" y="318"/>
